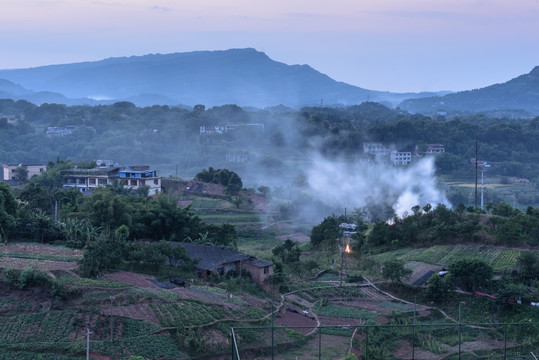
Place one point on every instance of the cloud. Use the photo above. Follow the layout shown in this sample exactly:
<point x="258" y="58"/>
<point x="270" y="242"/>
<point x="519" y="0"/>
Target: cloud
<point x="161" y="8"/>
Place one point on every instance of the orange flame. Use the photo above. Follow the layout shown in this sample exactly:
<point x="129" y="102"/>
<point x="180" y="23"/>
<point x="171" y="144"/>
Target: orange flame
<point x="347" y="249"/>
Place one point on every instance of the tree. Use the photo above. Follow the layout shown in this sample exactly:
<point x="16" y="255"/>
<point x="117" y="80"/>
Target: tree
<point x="288" y="252"/>
<point x="471" y="274"/>
<point x="222" y="235"/>
<point x="439" y="288"/>
<point x="35" y="197"/>
<point x="79" y="232"/>
<point x="502" y="209"/>
<point x="69" y="201"/>
<point x="107" y="252"/>
<point x="528" y="265"/>
<point x="448" y="163"/>
<point x="395" y="271"/>
<point x="222" y="177"/>
<point x="42" y="226"/>
<point x="21" y="173"/>
<point x="325" y="235"/>
<point x="8" y="211"/>
<point x="510" y="292"/>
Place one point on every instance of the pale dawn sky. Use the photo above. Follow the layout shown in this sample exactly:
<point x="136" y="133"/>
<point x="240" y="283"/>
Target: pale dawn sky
<point x="394" y="45"/>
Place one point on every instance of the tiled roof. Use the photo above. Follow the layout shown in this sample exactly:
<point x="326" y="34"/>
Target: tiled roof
<point x="260" y="263"/>
<point x="209" y="257"/>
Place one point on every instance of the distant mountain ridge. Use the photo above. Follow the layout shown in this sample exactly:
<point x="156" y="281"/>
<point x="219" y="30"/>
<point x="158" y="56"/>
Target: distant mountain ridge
<point x="245" y="77"/>
<point x="521" y="93"/>
<point x="238" y="76"/>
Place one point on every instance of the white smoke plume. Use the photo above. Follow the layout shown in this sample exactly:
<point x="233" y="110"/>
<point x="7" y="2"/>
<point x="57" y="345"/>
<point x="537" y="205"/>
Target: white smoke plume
<point x="353" y="184"/>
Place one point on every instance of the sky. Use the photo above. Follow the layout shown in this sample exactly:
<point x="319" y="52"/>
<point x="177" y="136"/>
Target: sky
<point x="388" y="45"/>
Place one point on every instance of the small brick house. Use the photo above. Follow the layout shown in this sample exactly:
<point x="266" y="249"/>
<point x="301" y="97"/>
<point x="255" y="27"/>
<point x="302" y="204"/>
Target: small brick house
<point x="216" y="260"/>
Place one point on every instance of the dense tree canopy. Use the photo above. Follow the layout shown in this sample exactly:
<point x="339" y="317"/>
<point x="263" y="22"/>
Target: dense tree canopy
<point x="471" y="274"/>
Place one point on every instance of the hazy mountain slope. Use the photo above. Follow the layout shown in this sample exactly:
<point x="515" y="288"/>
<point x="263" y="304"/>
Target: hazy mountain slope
<point x="9" y="90"/>
<point x="519" y="93"/>
<point x="240" y="76"/>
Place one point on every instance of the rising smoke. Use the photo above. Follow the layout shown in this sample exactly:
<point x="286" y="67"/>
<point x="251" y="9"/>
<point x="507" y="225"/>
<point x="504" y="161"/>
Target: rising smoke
<point x="352" y="185"/>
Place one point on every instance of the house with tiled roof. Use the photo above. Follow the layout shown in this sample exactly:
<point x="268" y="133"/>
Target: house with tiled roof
<point x="218" y="260"/>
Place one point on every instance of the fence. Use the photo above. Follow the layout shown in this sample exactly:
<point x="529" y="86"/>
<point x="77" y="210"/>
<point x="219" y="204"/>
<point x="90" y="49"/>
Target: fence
<point x="371" y="341"/>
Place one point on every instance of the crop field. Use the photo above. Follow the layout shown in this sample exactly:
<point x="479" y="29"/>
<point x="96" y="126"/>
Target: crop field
<point x="500" y="259"/>
<point x="336" y="311"/>
<point x="251" y="218"/>
<point x="78" y="281"/>
<point x="187" y="314"/>
<point x="65" y="331"/>
<point x="432" y="255"/>
<point x="10" y="305"/>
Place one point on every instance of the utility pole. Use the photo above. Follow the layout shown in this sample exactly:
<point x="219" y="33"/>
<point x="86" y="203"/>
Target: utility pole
<point x="88" y="332"/>
<point x="240" y="277"/>
<point x="476" y="174"/>
<point x="342" y="263"/>
<point x="482" y="183"/>
<point x="111" y="317"/>
<point x="413" y="334"/>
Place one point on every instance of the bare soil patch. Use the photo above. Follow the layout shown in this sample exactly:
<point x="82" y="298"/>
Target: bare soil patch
<point x="136" y="311"/>
<point x="38" y="249"/>
<point x="46" y="265"/>
<point x="293" y="319"/>
<point x="259" y="202"/>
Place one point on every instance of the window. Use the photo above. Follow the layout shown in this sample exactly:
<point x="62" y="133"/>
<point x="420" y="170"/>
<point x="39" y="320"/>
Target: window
<point x="40" y="170"/>
<point x="133" y="182"/>
<point x="266" y="270"/>
<point x="156" y="182"/>
<point x="91" y="181"/>
<point x="142" y="183"/>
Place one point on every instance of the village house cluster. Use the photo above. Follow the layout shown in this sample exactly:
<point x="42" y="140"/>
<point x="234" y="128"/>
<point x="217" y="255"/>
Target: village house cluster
<point x="130" y="177"/>
<point x="384" y="153"/>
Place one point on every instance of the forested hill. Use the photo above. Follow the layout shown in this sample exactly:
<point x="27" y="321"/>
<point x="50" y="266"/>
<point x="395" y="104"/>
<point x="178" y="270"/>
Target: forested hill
<point x="239" y="76"/>
<point x="520" y="93"/>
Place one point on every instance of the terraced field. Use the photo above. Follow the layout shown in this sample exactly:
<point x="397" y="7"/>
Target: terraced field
<point x="499" y="258"/>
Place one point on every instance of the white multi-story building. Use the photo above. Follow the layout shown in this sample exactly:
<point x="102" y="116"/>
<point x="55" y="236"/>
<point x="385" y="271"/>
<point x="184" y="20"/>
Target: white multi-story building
<point x="376" y="149"/>
<point x="401" y="157"/>
<point x="32" y="169"/>
<point x="138" y="176"/>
